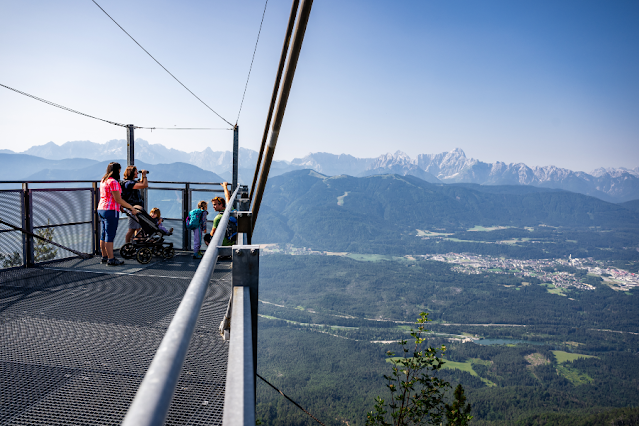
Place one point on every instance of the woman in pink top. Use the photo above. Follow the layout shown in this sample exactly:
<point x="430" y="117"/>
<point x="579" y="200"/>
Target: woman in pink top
<point x="109" y="211"/>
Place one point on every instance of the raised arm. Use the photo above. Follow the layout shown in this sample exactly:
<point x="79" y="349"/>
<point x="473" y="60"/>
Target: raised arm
<point x="227" y="194"/>
<point x="143" y="183"/>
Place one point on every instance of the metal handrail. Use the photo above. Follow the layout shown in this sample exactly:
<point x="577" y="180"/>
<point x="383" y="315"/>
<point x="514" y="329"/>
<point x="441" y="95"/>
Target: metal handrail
<point x="239" y="394"/>
<point x="49" y="181"/>
<point x="151" y="403"/>
<point x="98" y="180"/>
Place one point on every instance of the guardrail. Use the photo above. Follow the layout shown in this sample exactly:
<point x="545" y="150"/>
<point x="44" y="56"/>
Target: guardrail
<point x="65" y="211"/>
<point x="151" y="403"/>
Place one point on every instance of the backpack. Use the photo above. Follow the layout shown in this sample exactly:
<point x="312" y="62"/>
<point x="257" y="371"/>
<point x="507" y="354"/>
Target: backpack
<point x="231" y="229"/>
<point x="130" y="195"/>
<point x="194" y="219"/>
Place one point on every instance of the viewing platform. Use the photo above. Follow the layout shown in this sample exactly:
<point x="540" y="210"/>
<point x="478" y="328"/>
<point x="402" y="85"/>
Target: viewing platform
<point x="86" y="343"/>
<point x="77" y="337"/>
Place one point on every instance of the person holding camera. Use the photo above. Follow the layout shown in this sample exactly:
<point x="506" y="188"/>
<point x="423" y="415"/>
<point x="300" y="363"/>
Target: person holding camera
<point x="131" y="194"/>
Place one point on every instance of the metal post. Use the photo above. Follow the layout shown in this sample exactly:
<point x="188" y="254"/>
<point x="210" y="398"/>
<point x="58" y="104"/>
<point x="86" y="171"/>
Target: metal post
<point x="145" y="197"/>
<point x="276" y="88"/>
<point x="130" y="158"/>
<point x="239" y="392"/>
<point x="244" y="216"/>
<point x="27" y="223"/>
<point x="95" y="218"/>
<point x="246" y="273"/>
<point x="243" y="202"/>
<point x="236" y="148"/>
<point x="239" y="398"/>
<point x="298" y="38"/>
<point x="186" y="208"/>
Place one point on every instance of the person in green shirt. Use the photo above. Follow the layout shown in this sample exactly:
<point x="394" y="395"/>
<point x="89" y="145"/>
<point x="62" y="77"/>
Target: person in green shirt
<point x="219" y="205"/>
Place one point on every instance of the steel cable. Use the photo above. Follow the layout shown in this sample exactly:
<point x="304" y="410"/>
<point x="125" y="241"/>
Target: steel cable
<point x="296" y="404"/>
<point x="176" y="79"/>
<point x="251" y="67"/>
<point x="61" y="106"/>
<point x="107" y="121"/>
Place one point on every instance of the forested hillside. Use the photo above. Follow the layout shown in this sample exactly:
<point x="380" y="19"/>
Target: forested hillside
<point x="320" y="317"/>
<point x="563" y="354"/>
<point x="385" y="214"/>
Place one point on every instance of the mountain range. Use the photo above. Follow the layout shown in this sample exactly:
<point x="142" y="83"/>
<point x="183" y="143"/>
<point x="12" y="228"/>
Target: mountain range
<point x="614" y="185"/>
<point x="360" y="214"/>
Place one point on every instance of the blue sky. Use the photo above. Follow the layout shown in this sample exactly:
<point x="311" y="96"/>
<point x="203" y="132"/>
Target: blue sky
<point x="539" y="82"/>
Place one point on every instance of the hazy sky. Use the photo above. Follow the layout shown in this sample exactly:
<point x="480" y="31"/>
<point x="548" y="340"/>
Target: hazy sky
<point x="540" y="82"/>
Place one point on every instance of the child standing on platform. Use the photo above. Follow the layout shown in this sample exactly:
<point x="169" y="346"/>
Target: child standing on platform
<point x="200" y="213"/>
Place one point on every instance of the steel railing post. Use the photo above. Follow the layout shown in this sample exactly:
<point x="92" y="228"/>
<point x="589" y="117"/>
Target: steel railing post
<point x="27" y="223"/>
<point x="186" y="207"/>
<point x="95" y="219"/>
<point x="236" y="149"/>
<point x="130" y="145"/>
<point x="239" y="397"/>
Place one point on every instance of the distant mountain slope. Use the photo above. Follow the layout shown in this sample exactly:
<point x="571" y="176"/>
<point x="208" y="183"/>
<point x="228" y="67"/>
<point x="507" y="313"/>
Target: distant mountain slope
<point x="21" y="166"/>
<point x="343" y="212"/>
<point x="616" y="185"/>
<point x="215" y="161"/>
<point x="631" y="205"/>
<point x="179" y="172"/>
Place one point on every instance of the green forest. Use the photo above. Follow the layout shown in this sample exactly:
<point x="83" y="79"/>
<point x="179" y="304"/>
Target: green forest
<point x="526" y="351"/>
<point x="576" y="362"/>
<point x="385" y="214"/>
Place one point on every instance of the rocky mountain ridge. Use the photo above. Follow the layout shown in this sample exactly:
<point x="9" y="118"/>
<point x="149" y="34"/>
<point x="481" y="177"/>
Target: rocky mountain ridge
<point x="610" y="184"/>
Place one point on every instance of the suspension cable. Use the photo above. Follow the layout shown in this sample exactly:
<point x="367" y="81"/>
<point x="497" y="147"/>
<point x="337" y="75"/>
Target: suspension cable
<point x="185" y="128"/>
<point x="251" y="67"/>
<point x="296" y="404"/>
<point x="107" y="121"/>
<point x="176" y="79"/>
<point x="61" y="106"/>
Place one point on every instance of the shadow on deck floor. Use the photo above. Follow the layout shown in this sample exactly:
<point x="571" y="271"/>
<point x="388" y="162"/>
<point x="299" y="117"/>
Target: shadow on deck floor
<point x="77" y="336"/>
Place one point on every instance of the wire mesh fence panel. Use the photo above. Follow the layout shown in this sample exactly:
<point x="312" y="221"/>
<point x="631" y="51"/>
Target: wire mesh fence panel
<point x="168" y="201"/>
<point x="120" y="235"/>
<point x="10" y="240"/>
<point x="76" y="237"/>
<point x="178" y="232"/>
<point x="10" y="249"/>
<point x="56" y="207"/>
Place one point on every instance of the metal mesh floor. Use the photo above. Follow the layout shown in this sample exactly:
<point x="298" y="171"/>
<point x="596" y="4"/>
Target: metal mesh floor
<point x="76" y="338"/>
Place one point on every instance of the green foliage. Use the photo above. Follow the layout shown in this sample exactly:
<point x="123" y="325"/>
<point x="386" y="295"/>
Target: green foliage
<point x="458" y="413"/>
<point x="9" y="261"/>
<point x="43" y="251"/>
<point x="417" y="395"/>
<point x="338" y="378"/>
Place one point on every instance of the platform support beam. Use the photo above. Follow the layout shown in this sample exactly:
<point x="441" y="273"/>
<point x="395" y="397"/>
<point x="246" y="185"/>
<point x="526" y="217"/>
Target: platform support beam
<point x="130" y="145"/>
<point x="239" y="398"/>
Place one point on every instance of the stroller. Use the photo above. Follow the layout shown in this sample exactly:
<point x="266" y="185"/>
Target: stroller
<point x="149" y="240"/>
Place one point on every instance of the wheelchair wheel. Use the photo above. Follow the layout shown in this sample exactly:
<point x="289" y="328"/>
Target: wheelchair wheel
<point x="144" y="255"/>
<point x="127" y="251"/>
<point x="168" y="252"/>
